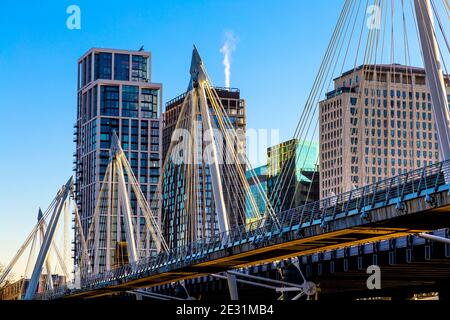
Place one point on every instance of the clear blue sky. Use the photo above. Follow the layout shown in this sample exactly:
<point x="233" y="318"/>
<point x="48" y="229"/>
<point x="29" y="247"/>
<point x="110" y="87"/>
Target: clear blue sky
<point x="281" y="45"/>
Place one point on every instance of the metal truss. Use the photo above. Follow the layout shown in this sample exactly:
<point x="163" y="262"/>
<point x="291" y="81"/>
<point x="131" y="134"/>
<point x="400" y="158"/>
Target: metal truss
<point x="306" y="288"/>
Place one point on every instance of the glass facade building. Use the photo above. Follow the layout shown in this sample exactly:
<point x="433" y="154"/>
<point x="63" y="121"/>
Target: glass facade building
<point x="115" y="94"/>
<point x="255" y="190"/>
<point x="294" y="162"/>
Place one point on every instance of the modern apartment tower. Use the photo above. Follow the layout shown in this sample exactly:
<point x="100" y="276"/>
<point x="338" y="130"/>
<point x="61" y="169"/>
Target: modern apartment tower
<point x="176" y="228"/>
<point x="292" y="176"/>
<point x="376" y="123"/>
<point x="115" y="94"/>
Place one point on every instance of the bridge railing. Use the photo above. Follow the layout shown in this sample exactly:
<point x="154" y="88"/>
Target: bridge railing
<point x="392" y="191"/>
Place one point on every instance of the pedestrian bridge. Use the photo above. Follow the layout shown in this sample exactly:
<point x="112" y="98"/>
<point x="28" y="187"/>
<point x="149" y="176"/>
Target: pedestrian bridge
<point x="410" y="203"/>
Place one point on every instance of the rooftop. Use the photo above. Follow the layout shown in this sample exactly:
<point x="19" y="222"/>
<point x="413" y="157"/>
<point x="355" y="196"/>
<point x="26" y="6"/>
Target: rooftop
<point x="395" y="67"/>
<point x="109" y="50"/>
<point x="221" y="91"/>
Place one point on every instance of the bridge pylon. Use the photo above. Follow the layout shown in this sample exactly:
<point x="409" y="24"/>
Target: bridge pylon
<point x="435" y="77"/>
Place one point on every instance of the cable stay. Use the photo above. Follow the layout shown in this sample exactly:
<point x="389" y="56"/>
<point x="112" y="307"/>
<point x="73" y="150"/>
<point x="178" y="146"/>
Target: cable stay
<point x="113" y="215"/>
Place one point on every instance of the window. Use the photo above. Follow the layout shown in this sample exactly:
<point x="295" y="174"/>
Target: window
<point x="108" y="126"/>
<point x="139" y="68"/>
<point x="130" y="101"/>
<point x="109" y="100"/>
<point x="149" y="103"/>
<point x="125" y="134"/>
<point x="134" y="134"/>
<point x="121" y="67"/>
<point x="85" y="71"/>
<point x="102" y="67"/>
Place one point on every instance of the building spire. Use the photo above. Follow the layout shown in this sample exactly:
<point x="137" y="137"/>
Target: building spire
<point x="197" y="70"/>
<point x="40" y="215"/>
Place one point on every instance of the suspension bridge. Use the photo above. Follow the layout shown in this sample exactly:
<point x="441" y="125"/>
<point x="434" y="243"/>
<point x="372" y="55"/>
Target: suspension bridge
<point x="223" y="244"/>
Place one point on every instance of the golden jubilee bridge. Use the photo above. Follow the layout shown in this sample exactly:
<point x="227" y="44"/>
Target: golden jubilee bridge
<point x="411" y="202"/>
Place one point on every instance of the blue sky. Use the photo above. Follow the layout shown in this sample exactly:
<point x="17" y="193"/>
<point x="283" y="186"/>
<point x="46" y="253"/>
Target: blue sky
<point x="279" y="51"/>
<point x="281" y="45"/>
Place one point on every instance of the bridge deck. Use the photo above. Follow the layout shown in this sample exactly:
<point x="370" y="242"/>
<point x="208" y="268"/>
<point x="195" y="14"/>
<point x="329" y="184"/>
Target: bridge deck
<point x="385" y="224"/>
<point x="408" y="264"/>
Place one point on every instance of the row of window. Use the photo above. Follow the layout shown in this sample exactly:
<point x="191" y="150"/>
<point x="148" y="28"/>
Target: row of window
<point x="131" y="137"/>
<point x="398" y="93"/>
<point x="147" y="103"/>
<point x="382" y="174"/>
<point x="103" y="67"/>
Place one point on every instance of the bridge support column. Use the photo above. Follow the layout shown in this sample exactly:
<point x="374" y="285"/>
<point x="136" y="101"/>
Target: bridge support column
<point x="232" y="286"/>
<point x="127" y="213"/>
<point x="197" y="83"/>
<point x="216" y="179"/>
<point x="435" y="77"/>
<point x="47" y="261"/>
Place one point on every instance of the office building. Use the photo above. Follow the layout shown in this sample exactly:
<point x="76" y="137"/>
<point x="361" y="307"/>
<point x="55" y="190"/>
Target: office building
<point x="376" y="123"/>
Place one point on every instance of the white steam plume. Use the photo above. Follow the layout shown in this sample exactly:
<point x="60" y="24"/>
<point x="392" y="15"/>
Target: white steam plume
<point x="227" y="49"/>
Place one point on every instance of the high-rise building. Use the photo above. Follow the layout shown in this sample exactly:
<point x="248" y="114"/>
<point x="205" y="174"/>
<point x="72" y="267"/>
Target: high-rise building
<point x="180" y="227"/>
<point x="292" y="177"/>
<point x="115" y="94"/>
<point x="376" y="123"/>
